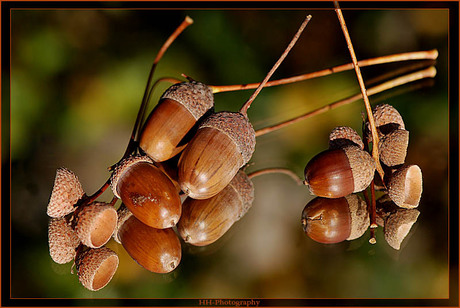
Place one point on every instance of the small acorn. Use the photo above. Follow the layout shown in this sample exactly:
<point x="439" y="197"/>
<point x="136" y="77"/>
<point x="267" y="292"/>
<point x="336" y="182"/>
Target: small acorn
<point x="224" y="143"/>
<point x="387" y="118"/>
<point x="62" y="240"/>
<point x="405" y="186"/>
<point x="180" y="107"/>
<point x="96" y="267"/>
<point x="95" y="224"/>
<point x="205" y="221"/>
<point x="330" y="221"/>
<point x="157" y="250"/>
<point x="342" y="136"/>
<point x="147" y="192"/>
<point x="67" y="190"/>
<point x="336" y="173"/>
<point x="397" y="226"/>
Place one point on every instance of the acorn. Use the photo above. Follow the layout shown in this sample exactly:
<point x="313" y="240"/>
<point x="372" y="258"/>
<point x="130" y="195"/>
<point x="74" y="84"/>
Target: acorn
<point x="224" y="143"/>
<point x="393" y="147"/>
<point x="96" y="267"/>
<point x="67" y="190"/>
<point x="330" y="221"/>
<point x="405" y="186"/>
<point x="177" y="112"/>
<point x="147" y="192"/>
<point x="62" y="240"/>
<point x="387" y="118"/>
<point x="342" y="136"/>
<point x="95" y="224"/>
<point x="205" y="221"/>
<point x="397" y="226"/>
<point x="157" y="250"/>
<point x="336" y="173"/>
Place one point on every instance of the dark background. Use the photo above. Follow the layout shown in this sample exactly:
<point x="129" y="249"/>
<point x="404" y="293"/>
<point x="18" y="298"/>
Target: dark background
<point x="77" y="79"/>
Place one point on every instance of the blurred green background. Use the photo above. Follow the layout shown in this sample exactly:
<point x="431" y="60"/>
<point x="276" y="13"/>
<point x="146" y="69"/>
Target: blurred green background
<point x="77" y="79"/>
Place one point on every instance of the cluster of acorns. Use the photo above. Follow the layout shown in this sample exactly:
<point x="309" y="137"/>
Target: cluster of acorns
<point x="346" y="168"/>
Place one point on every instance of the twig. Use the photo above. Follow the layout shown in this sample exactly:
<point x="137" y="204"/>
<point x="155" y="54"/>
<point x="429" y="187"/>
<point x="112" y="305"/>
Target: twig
<point x="426" y="73"/>
<point x="276" y="170"/>
<point x="248" y="103"/>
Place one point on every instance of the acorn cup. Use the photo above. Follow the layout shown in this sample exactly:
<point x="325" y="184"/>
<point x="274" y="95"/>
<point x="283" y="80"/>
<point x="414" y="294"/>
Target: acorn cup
<point x="342" y="136"/>
<point x="405" y="186"/>
<point x="95" y="224"/>
<point x="330" y="221"/>
<point x="62" y="240"/>
<point x="224" y="143"/>
<point x="179" y="109"/>
<point x="147" y="192"/>
<point x="157" y="250"/>
<point x="205" y="221"/>
<point x="96" y="267"/>
<point x="336" y="173"/>
<point x="67" y="190"/>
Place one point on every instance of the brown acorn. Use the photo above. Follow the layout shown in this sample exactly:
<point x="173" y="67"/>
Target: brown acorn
<point x="180" y="107"/>
<point x="331" y="221"/>
<point x="67" y="190"/>
<point x="157" y="250"/>
<point x="342" y="136"/>
<point x="205" y="221"/>
<point x="147" y="192"/>
<point x="95" y="224"/>
<point x="96" y="267"/>
<point x="397" y="226"/>
<point x="224" y="142"/>
<point x="62" y="240"/>
<point x="405" y="186"/>
<point x="336" y="173"/>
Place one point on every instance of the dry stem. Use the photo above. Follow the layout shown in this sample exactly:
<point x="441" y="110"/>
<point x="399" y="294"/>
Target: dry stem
<point x="426" y="73"/>
<point x="248" y="103"/>
<point x="276" y="170"/>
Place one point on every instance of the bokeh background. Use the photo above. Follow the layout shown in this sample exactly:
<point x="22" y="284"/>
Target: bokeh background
<point x="77" y="80"/>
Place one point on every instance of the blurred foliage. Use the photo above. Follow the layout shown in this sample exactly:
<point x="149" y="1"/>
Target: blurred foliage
<point x="77" y="80"/>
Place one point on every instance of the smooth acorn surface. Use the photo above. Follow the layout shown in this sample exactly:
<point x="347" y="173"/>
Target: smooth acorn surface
<point x="157" y="250"/>
<point x="205" y="221"/>
<point x="150" y="195"/>
<point x="166" y="126"/>
<point x="329" y="174"/>
<point x="208" y="163"/>
<point x="327" y="220"/>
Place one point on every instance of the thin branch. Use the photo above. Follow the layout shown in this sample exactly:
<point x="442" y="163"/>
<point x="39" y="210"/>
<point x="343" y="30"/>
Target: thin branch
<point x="426" y="73"/>
<point x="276" y="170"/>
<point x="248" y="103"/>
<point x="417" y="55"/>
<point x="375" y="137"/>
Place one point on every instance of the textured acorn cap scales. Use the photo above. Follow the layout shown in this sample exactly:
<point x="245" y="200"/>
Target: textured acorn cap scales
<point x="124" y="165"/>
<point x="96" y="223"/>
<point x="398" y="225"/>
<point x="238" y="128"/>
<point x="385" y="114"/>
<point x="343" y="136"/>
<point x="195" y="96"/>
<point x="67" y="190"/>
<point x="362" y="166"/>
<point x="393" y="147"/>
<point x="96" y="267"/>
<point x="62" y="240"/>
<point x="359" y="216"/>
<point x="405" y="186"/>
<point x="245" y="188"/>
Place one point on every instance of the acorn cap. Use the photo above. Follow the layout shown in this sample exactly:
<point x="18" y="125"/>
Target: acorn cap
<point x="398" y="225"/>
<point x="124" y="165"/>
<point x="67" y="190"/>
<point x="385" y="114"/>
<point x="195" y="96"/>
<point x="362" y="166"/>
<point x="342" y="136"/>
<point x="359" y="216"/>
<point x="96" y="267"/>
<point x="96" y="223"/>
<point x="238" y="128"/>
<point x="393" y="147"/>
<point x="123" y="215"/>
<point x="245" y="189"/>
<point x="405" y="186"/>
<point x="62" y="240"/>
